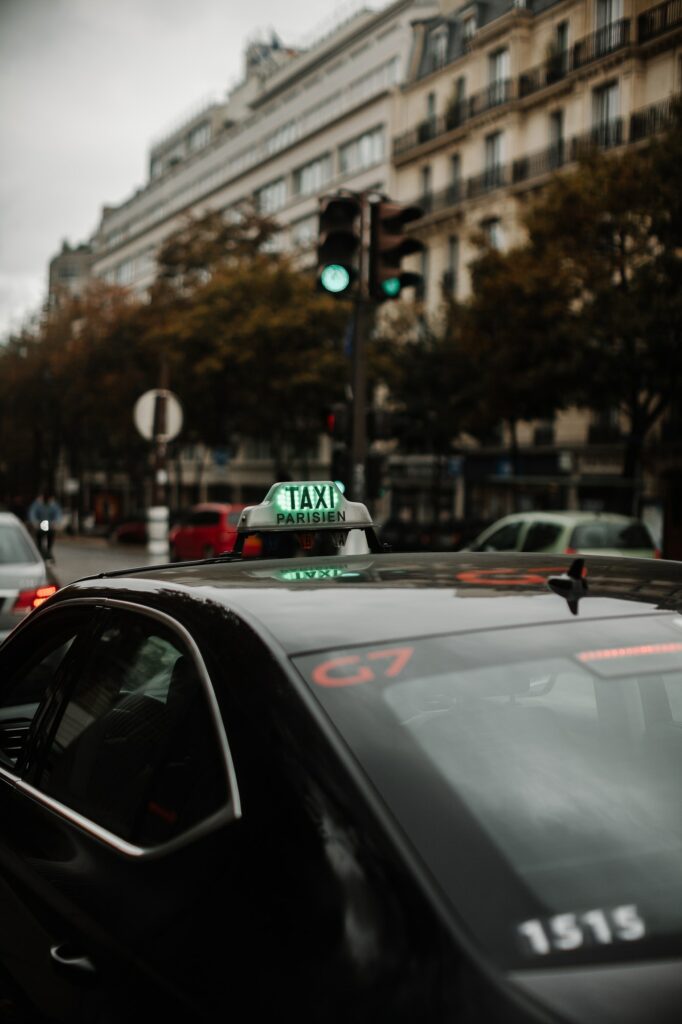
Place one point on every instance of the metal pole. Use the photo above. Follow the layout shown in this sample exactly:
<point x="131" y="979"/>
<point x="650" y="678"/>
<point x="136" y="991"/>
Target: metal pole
<point x="359" y="365"/>
<point x="157" y="514"/>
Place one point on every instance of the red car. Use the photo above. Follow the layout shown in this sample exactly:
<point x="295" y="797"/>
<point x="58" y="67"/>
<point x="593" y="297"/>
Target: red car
<point x="208" y="529"/>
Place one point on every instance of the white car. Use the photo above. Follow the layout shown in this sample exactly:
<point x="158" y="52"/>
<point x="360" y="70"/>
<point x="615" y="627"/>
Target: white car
<point x="25" y="580"/>
<point x="604" y="533"/>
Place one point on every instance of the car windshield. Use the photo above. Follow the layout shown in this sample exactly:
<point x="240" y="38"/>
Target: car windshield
<point x="628" y="537"/>
<point x="14" y="547"/>
<point x="540" y="766"/>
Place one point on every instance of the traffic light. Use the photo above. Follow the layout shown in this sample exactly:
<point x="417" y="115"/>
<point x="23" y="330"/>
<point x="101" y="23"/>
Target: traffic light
<point x="337" y="421"/>
<point x="389" y="245"/>
<point x="338" y="243"/>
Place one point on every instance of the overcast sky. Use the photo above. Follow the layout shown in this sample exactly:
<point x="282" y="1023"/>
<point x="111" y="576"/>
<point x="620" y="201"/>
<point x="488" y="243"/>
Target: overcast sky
<point x="86" y="86"/>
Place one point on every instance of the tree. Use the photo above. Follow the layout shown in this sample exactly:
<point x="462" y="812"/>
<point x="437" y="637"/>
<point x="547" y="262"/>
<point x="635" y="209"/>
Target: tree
<point x="614" y="230"/>
<point x="521" y="340"/>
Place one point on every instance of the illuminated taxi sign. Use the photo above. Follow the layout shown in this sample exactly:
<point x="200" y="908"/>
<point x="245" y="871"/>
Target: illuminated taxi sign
<point x="309" y="575"/>
<point x="305" y="505"/>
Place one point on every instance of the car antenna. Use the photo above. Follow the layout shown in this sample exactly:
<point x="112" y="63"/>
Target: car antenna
<point x="571" y="585"/>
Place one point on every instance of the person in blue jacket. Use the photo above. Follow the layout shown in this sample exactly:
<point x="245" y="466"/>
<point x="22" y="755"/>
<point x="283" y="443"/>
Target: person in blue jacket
<point x="44" y="514"/>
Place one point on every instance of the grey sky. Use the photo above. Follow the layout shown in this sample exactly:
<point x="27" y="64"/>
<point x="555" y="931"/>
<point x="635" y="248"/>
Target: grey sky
<point x="85" y="86"/>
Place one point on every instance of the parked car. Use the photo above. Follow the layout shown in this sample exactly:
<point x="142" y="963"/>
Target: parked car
<point x="25" y="579"/>
<point x="384" y="787"/>
<point x="569" y="533"/>
<point x="209" y="528"/>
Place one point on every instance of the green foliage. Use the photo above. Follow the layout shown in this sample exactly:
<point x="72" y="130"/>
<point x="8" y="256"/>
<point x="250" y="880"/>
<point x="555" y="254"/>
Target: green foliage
<point x="614" y="229"/>
<point x="257" y="352"/>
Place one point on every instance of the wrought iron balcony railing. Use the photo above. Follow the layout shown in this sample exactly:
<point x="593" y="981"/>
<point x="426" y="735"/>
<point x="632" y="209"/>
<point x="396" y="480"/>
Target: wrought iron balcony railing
<point x="494" y="95"/>
<point x="602" y="42"/>
<point x="658" y="20"/>
<point x="599" y="44"/>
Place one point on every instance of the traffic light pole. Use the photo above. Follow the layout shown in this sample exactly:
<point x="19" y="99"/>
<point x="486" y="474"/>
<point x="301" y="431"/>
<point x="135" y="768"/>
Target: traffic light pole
<point x="359" y="377"/>
<point x="361" y="322"/>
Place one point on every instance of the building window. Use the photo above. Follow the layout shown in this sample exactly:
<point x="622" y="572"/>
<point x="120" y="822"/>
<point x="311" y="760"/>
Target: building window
<point x="498" y="76"/>
<point x="439" y="47"/>
<point x="451" y="274"/>
<point x="455" y="177"/>
<point x="199" y="136"/>
<point x="272" y="197"/>
<point x="607" y="12"/>
<point x="425" y="182"/>
<point x="304" y="233"/>
<point x="364" y="151"/>
<point x="492" y="231"/>
<point x="313" y="177"/>
<point x="561" y="37"/>
<point x="469" y="28"/>
<point x="431" y="106"/>
<point x="456" y="112"/>
<point x="494" y="159"/>
<point x="556" y="138"/>
<point x="606" y="125"/>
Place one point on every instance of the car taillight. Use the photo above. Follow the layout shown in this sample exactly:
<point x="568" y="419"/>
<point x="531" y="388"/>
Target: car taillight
<point x="570" y="551"/>
<point x="657" y="553"/>
<point x="27" y="599"/>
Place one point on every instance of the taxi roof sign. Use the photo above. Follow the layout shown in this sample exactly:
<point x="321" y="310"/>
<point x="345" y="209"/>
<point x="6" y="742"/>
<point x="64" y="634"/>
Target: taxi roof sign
<point x="305" y="505"/>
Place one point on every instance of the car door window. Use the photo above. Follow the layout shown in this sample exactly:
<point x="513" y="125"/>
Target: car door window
<point x="504" y="539"/>
<point x="541" y="536"/>
<point x="136" y="748"/>
<point x="31" y="666"/>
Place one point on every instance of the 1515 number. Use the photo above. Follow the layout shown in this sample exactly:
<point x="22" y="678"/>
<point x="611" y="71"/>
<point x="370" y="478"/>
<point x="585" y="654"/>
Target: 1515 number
<point x="571" y="931"/>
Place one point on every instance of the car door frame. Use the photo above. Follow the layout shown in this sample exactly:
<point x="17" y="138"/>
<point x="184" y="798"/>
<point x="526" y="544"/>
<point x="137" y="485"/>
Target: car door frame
<point x="72" y="839"/>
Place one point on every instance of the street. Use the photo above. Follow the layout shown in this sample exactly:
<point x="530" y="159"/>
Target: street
<point x="75" y="557"/>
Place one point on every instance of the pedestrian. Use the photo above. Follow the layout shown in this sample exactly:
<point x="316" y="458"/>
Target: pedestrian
<point x="44" y="514"/>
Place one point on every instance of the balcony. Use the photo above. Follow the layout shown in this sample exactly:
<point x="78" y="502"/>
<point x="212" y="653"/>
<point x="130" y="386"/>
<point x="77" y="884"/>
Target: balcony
<point x="553" y="70"/>
<point x="494" y="95"/>
<point x="599" y="44"/>
<point x="657" y="20"/>
<point x="651" y="120"/>
<point x="602" y="42"/>
<point x="535" y="165"/>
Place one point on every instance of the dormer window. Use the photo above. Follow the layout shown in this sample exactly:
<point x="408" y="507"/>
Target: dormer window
<point x="439" y="47"/>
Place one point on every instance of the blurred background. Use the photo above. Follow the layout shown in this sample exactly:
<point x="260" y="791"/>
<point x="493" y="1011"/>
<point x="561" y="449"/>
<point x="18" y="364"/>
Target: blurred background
<point x="160" y="201"/>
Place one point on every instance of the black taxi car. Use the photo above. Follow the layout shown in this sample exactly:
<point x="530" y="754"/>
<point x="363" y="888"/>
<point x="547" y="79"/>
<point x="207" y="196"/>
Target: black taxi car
<point x="370" y="787"/>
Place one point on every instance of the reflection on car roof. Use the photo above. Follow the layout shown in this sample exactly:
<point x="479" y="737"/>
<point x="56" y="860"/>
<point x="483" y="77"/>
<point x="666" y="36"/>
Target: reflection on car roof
<point x="306" y="604"/>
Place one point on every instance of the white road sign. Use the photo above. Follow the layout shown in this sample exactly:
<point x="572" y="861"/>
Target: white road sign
<point x="158" y="415"/>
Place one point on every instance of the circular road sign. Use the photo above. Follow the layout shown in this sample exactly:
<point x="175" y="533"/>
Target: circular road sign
<point x="158" y="415"/>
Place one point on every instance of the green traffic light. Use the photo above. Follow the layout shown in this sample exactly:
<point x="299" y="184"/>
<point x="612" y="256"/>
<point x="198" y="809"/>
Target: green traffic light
<point x="335" y="278"/>
<point x="391" y="287"/>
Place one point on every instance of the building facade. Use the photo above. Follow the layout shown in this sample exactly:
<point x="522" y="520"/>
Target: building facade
<point x="299" y="124"/>
<point x="501" y="96"/>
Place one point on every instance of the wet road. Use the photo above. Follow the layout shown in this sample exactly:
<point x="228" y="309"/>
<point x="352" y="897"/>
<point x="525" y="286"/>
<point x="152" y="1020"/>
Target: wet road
<point x="76" y="557"/>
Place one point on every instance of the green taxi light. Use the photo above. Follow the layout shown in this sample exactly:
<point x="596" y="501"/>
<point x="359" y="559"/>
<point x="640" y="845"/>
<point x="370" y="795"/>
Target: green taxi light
<point x="335" y="278"/>
<point x="305" y="505"/>
<point x="391" y="286"/>
<point x="309" y="575"/>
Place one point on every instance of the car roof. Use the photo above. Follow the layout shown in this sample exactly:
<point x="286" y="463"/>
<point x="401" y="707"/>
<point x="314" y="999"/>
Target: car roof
<point x="386" y="597"/>
<point x="567" y="516"/>
<point x="10" y="519"/>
